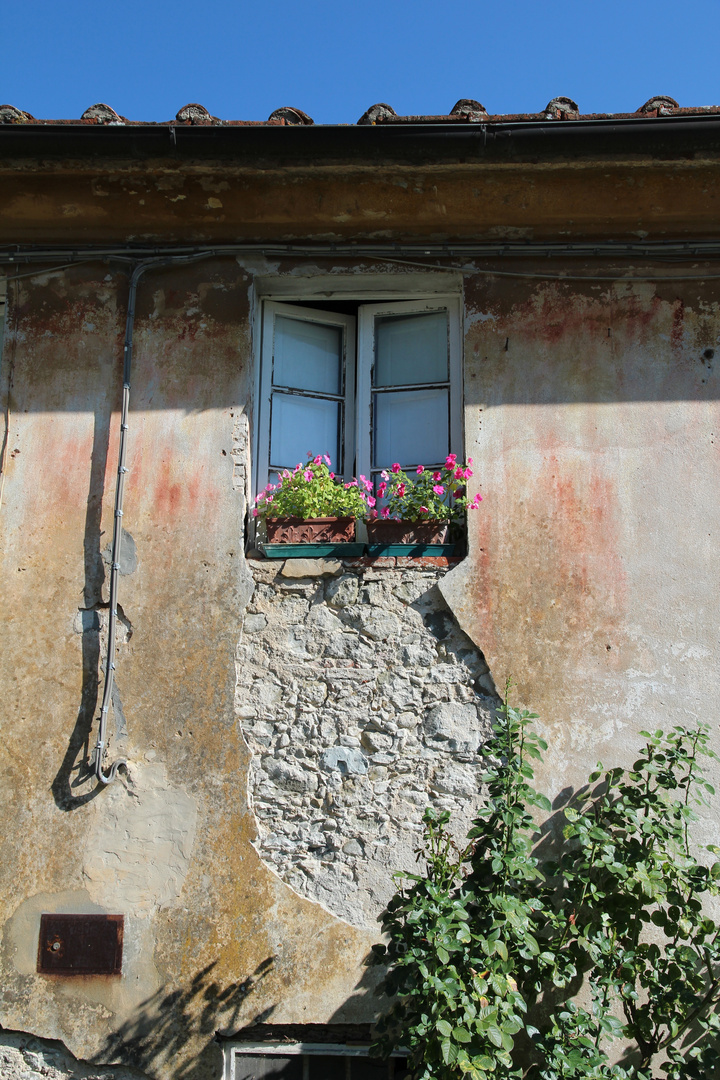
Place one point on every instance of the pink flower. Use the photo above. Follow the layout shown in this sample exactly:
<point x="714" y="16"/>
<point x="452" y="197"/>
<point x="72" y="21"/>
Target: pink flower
<point x="369" y="500"/>
<point x="328" y="462"/>
<point x="439" y="489"/>
<point x="450" y="461"/>
<point x="468" y="473"/>
<point x="260" y="497"/>
<point x="317" y="460"/>
<point x="459" y="473"/>
<point x="298" y="467"/>
<point x="269" y="498"/>
<point x="396" y="468"/>
<point x="420" y="470"/>
<point x="308" y="475"/>
<point x="269" y="487"/>
<point x="385" y="474"/>
<point x="385" y="512"/>
<point x="255" y="513"/>
<point x="382" y="488"/>
<point x="372" y="515"/>
<point x="470" y="461"/>
<point x="437" y="476"/>
<point x="365" y="483"/>
<point x="400" y="490"/>
<point x="332" y="475"/>
<point x="424" y="510"/>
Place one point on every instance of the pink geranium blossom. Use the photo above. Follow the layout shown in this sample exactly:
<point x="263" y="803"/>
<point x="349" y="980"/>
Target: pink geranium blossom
<point x="437" y="476"/>
<point x="396" y="468"/>
<point x="424" y="510"/>
<point x="450" y="461"/>
<point x="308" y="475"/>
<point x="385" y="513"/>
<point x="369" y="500"/>
<point x="439" y="489"/>
<point x="420" y="470"/>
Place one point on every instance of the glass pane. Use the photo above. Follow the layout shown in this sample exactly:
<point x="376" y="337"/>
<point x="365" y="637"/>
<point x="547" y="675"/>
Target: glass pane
<point x="308" y="356"/>
<point x="270" y="1066"/>
<point x="411" y="349"/>
<point x="330" y="1067"/>
<point x="302" y="424"/>
<point x="370" y="1069"/>
<point x="411" y="427"/>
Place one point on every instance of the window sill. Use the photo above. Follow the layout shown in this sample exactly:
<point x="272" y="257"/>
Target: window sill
<point x="350" y="551"/>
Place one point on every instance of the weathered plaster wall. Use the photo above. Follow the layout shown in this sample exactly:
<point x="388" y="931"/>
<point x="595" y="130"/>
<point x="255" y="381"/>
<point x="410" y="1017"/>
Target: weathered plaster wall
<point x="213" y="938"/>
<point x="593" y="576"/>
<point x="591" y="413"/>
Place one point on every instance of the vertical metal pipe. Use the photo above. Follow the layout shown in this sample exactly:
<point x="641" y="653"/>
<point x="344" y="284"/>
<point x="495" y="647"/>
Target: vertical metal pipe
<point x="100" y="745"/>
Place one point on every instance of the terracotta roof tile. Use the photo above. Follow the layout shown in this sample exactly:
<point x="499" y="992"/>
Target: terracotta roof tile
<point x="465" y="111"/>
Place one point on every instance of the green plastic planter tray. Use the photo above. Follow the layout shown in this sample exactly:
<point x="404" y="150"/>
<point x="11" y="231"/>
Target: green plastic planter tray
<point x="313" y="551"/>
<point x="413" y="550"/>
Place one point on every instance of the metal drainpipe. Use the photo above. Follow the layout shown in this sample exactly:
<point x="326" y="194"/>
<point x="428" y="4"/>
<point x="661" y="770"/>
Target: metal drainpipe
<point x="100" y="745"/>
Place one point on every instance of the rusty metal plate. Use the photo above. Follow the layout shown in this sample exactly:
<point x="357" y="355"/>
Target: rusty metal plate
<point x="80" y="944"/>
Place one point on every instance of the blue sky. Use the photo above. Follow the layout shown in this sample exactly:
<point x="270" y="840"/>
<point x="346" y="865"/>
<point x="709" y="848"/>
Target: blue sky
<point x="334" y="59"/>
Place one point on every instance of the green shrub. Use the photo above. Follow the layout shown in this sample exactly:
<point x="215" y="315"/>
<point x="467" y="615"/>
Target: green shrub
<point x="503" y="961"/>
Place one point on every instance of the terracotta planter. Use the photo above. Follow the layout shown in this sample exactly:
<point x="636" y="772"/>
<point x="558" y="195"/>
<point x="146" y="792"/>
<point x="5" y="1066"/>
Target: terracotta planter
<point x="290" y="530"/>
<point x="406" y="532"/>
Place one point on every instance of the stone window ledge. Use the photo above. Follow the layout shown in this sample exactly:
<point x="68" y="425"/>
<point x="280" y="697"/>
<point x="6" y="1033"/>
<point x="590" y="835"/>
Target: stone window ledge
<point x="329" y="566"/>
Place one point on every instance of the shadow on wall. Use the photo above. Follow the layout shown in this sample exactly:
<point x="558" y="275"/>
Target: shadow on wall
<point x="171" y="1024"/>
<point x="88" y="622"/>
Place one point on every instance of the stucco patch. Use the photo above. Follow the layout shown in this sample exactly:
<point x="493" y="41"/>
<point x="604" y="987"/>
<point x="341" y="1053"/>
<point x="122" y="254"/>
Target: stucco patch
<point x="138" y="850"/>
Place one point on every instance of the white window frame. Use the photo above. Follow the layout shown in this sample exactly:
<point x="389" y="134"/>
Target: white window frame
<point x="347" y="323"/>
<point x="233" y="1050"/>
<point x="375" y="294"/>
<point x="367" y="314"/>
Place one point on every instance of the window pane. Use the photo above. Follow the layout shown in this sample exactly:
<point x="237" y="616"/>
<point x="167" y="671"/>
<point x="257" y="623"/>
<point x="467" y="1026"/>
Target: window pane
<point x="271" y="1066"/>
<point x="302" y="424"/>
<point x="411" y="349"/>
<point x="330" y="1067"/>
<point x="370" y="1069"/>
<point x="308" y="356"/>
<point x="411" y="427"/>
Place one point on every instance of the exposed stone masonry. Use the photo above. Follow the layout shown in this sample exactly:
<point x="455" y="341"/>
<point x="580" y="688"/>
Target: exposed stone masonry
<point x="25" y="1057"/>
<point x="362" y="702"/>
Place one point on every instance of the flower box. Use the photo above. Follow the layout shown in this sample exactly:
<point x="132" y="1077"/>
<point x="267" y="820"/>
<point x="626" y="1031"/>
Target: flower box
<point x="388" y="531"/>
<point x="313" y="551"/>
<point x="289" y="530"/>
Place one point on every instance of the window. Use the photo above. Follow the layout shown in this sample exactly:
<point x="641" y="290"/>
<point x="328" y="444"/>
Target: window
<point x="367" y="383"/>
<point x="308" y="1061"/>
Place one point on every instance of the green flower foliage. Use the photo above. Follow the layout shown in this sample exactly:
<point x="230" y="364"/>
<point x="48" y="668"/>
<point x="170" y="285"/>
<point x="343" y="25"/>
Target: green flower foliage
<point x="312" y="491"/>
<point x="488" y="949"/>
